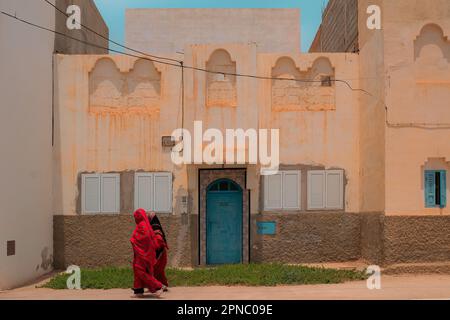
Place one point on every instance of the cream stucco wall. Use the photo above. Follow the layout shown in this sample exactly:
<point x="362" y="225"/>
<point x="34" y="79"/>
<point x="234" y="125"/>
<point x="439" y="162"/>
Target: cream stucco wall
<point x="98" y="140"/>
<point x="372" y="113"/>
<point x="26" y="142"/>
<point x="120" y="138"/>
<point x="417" y="68"/>
<point x="405" y="121"/>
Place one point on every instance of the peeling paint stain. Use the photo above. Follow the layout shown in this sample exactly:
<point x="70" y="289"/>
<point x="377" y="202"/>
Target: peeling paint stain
<point x="47" y="259"/>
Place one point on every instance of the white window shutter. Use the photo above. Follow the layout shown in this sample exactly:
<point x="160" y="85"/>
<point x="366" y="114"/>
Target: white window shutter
<point x="143" y="191"/>
<point x="273" y="191"/>
<point x="90" y="193"/>
<point x="110" y="193"/>
<point x="316" y="190"/>
<point x="291" y="190"/>
<point x="162" y="191"/>
<point x="334" y="189"/>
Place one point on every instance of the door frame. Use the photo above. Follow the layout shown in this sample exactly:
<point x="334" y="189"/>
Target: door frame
<point x="205" y="177"/>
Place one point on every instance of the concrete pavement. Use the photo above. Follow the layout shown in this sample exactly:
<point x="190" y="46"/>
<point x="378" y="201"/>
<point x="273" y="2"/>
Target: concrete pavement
<point x="393" y="288"/>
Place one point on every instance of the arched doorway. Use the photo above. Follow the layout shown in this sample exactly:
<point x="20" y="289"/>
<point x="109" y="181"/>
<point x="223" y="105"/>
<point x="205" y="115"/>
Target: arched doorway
<point x="224" y="209"/>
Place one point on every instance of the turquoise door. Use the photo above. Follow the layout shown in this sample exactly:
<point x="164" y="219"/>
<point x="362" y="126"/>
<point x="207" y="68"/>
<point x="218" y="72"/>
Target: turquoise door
<point x="224" y="223"/>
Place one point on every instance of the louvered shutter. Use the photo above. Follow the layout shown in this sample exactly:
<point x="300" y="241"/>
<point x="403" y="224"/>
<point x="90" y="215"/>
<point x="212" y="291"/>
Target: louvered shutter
<point x="90" y="198"/>
<point x="143" y="191"/>
<point x="316" y="190"/>
<point x="443" y="189"/>
<point x="273" y="191"/>
<point x="291" y="190"/>
<point x="430" y="189"/>
<point x="334" y="189"/>
<point x="162" y="191"/>
<point x="110" y="193"/>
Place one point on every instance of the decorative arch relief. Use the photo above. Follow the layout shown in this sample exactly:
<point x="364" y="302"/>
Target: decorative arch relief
<point x="298" y="95"/>
<point x="432" y="56"/>
<point x="111" y="90"/>
<point x="221" y="88"/>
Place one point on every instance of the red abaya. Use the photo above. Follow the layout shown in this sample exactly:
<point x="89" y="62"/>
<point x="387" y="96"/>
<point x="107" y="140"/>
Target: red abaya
<point x="144" y="248"/>
<point x="161" y="260"/>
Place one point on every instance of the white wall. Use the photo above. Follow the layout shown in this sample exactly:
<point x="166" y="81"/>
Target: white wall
<point x="170" y="30"/>
<point x="25" y="141"/>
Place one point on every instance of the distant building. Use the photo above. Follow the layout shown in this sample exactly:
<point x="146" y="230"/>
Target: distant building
<point x="338" y="31"/>
<point x="169" y="31"/>
<point x="91" y="18"/>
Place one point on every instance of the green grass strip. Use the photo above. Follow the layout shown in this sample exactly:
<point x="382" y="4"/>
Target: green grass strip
<point x="227" y="275"/>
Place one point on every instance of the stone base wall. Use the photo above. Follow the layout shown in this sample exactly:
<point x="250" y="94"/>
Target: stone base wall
<point x="313" y="237"/>
<point x="104" y="240"/>
<point x="308" y="238"/>
<point x="416" y="239"/>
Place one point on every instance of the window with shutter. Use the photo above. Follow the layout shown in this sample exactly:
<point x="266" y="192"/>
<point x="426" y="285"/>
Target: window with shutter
<point x="435" y="188"/>
<point x="153" y="191"/>
<point x="90" y="194"/>
<point x="100" y="193"/>
<point x="326" y="189"/>
<point x="316" y="190"/>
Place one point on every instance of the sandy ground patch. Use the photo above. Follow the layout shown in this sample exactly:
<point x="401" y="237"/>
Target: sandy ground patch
<point x="393" y="288"/>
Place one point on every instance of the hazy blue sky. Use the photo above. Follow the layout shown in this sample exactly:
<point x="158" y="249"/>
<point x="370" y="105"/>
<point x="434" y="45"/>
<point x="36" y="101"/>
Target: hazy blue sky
<point x="113" y="12"/>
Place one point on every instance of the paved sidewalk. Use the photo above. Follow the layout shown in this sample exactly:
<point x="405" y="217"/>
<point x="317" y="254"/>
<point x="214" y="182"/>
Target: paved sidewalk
<point x="393" y="288"/>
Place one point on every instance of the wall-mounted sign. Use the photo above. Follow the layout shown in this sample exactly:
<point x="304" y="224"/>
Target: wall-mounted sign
<point x="267" y="227"/>
<point x="168" y="142"/>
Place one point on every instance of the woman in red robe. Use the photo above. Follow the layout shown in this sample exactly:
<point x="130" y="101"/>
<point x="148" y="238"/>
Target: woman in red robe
<point x="161" y="251"/>
<point x="144" y="244"/>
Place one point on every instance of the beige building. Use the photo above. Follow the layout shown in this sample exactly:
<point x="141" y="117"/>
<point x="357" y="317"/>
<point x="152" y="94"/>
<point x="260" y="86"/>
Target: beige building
<point x="26" y="135"/>
<point x="362" y="172"/>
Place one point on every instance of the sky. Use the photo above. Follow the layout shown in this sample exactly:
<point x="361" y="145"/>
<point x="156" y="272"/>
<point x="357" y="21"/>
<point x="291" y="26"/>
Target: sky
<point x="113" y="11"/>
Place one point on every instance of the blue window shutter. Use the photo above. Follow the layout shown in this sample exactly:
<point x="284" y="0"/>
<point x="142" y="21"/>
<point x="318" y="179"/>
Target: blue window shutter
<point x="430" y="189"/>
<point x="443" y="189"/>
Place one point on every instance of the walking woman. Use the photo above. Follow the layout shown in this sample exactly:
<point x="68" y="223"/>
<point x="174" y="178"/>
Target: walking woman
<point x="144" y="244"/>
<point x="161" y="251"/>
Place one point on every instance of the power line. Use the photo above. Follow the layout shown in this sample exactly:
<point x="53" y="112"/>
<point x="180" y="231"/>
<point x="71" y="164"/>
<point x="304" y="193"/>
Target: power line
<point x="182" y="66"/>
<point x="109" y="39"/>
<point x="174" y="60"/>
<point x="83" y="41"/>
<point x="178" y="64"/>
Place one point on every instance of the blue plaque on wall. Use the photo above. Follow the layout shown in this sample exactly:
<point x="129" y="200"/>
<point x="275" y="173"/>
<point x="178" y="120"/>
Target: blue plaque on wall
<point x="267" y="227"/>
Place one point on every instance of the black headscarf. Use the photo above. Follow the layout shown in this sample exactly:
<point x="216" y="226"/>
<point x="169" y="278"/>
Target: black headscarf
<point x="156" y="225"/>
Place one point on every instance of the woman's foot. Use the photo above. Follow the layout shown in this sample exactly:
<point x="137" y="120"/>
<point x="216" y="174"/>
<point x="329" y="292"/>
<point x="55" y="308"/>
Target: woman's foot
<point x="158" y="293"/>
<point x="139" y="291"/>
